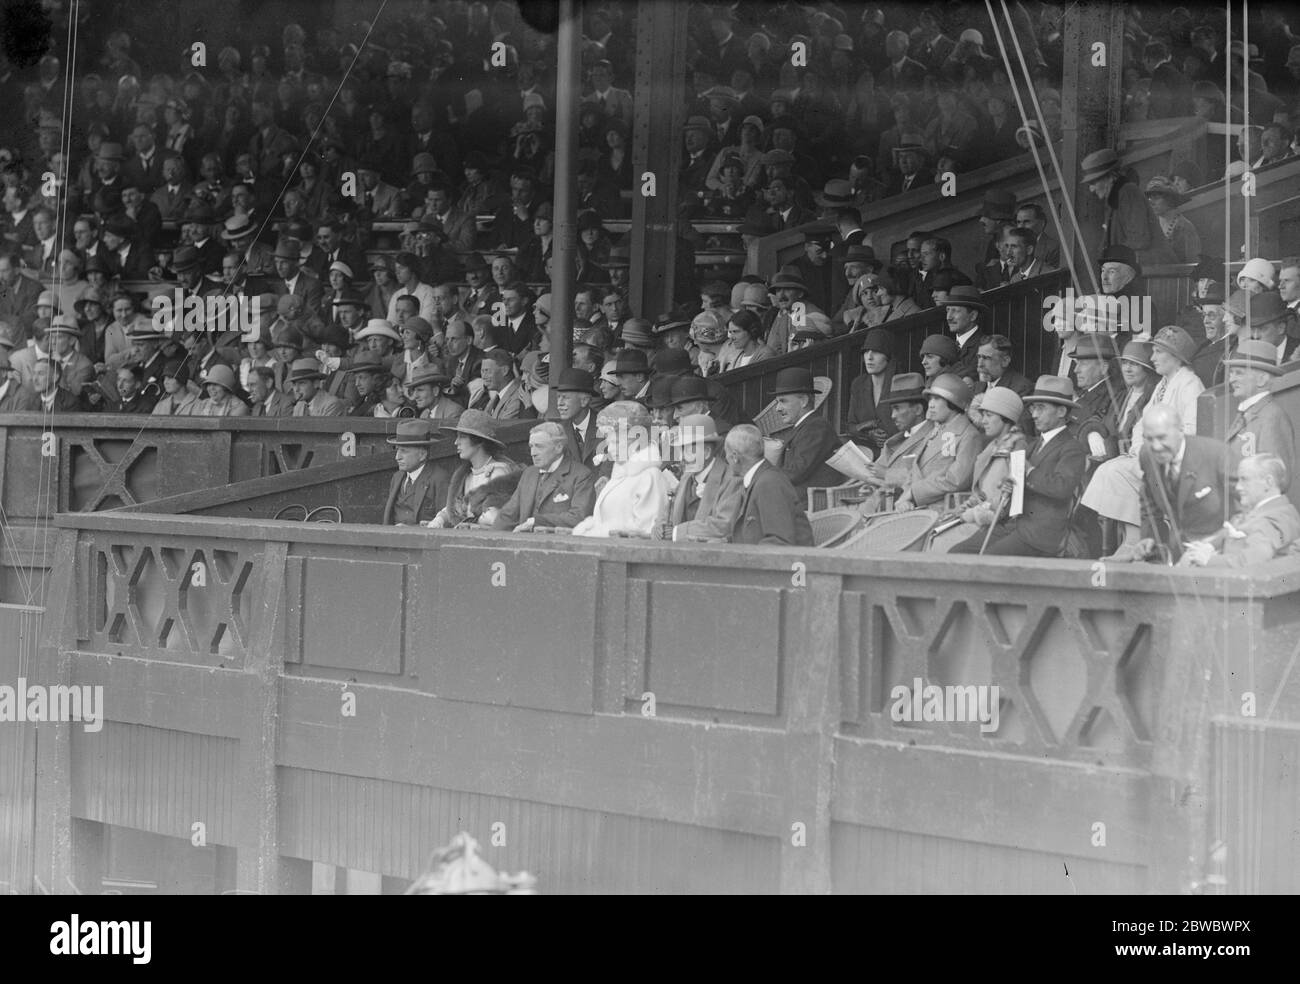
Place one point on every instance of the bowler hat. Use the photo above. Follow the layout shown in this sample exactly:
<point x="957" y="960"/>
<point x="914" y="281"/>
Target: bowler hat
<point x="794" y="380"/>
<point x="1053" y="389"/>
<point x="1004" y="401"/>
<point x="1098" y="164"/>
<point x="418" y="433"/>
<point x="1119" y="253"/>
<point x="998" y="204"/>
<point x="944" y="346"/>
<point x="837" y="193"/>
<point x="659" y="394"/>
<point x="952" y="388"/>
<point x="478" y="423"/>
<point x="1176" y="342"/>
<point x="908" y="387"/>
<point x="671" y="362"/>
<point x="1094" y="345"/>
<point x="223" y="376"/>
<point x="689" y="389"/>
<point x="1255" y="354"/>
<point x="631" y="360"/>
<point x="428" y="375"/>
<point x="304" y="369"/>
<point x="966" y="296"/>
<point x="575" y="381"/>
<point x="823" y="234"/>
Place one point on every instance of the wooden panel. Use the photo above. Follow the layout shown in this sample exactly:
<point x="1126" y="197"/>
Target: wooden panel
<point x="1256" y="786"/>
<point x="527" y="643"/>
<point x="346" y="617"/>
<point x="729" y="662"/>
<point x="392" y="828"/>
<point x="154" y="779"/>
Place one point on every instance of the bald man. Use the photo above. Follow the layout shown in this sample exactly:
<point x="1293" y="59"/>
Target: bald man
<point x="1266" y="527"/>
<point x="771" y="511"/>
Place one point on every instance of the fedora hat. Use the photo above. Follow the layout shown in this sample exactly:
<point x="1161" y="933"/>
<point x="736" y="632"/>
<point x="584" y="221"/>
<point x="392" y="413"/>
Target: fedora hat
<point x="428" y="375"/>
<point x="673" y="319"/>
<point x="1162" y="186"/>
<point x="351" y="298"/>
<point x="120" y="226"/>
<point x="689" y="389"/>
<point x="237" y="227"/>
<point x="952" y="388"/>
<point x="1253" y="353"/>
<point x="1264" y="309"/>
<point x="1098" y="164"/>
<point x="480" y="424"/>
<point x="380" y="327"/>
<point x="755" y="295"/>
<point x="367" y="361"/>
<point x="861" y="253"/>
<point x="62" y="324"/>
<point x="417" y="433"/>
<point x="288" y="249"/>
<point x="620" y="258"/>
<point x="222" y="375"/>
<point x="966" y="296"/>
<point x="694" y="427"/>
<point x="907" y="387"/>
<point x="1176" y="342"/>
<point x="630" y="360"/>
<point x="910" y="143"/>
<point x="574" y="381"/>
<point x="185" y="258"/>
<point x="671" y="362"/>
<point x="1003" y="401"/>
<point x="1052" y="389"/>
<point x="794" y="381"/>
<point x="659" y="393"/>
<point x="636" y="331"/>
<point x="475" y="261"/>
<point x="110" y="152"/>
<point x="998" y="204"/>
<point x="788" y="277"/>
<point x="304" y="369"/>
<point x="836" y="193"/>
<point x="1095" y="345"/>
<point x="944" y="346"/>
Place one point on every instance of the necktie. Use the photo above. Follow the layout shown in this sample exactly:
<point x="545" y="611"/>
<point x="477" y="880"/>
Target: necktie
<point x="408" y="486"/>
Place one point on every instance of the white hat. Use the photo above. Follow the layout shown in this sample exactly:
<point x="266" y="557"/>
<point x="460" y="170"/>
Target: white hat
<point x="380" y="327"/>
<point x="972" y="35"/>
<point x="342" y="267"/>
<point x="1258" y="269"/>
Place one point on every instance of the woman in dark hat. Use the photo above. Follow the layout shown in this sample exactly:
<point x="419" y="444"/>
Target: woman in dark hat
<point x="383" y="285"/>
<point x="485" y="478"/>
<point x="177" y="399"/>
<point x="744" y="343"/>
<point x="869" y="422"/>
<point x="593" y="245"/>
<point x="615" y="167"/>
<point x="1180" y="235"/>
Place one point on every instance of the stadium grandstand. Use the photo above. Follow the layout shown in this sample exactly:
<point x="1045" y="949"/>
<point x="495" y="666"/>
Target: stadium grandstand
<point x="762" y="366"/>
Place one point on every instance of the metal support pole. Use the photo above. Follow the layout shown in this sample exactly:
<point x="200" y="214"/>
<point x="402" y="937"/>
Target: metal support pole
<point x="565" y="247"/>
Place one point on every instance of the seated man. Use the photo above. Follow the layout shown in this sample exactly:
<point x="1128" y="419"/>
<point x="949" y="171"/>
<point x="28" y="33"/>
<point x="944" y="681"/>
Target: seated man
<point x="554" y="491"/>
<point x="1053" y="473"/>
<point x="946" y="461"/>
<point x="1184" y="487"/>
<point x="1266" y="526"/>
<point x="414" y="496"/>
<point x="309" y="399"/>
<point x="707" y="500"/>
<point x="1261" y="426"/>
<point x="907" y="405"/>
<point x="771" y="511"/>
<point x="634" y="500"/>
<point x="812" y="439"/>
<point x="427" y="387"/>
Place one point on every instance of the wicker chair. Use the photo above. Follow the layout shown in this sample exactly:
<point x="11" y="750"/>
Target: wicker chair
<point x="833" y="496"/>
<point x="892" y="533"/>
<point x="770" y="423"/>
<point x="830" y="527"/>
<point x="285" y="512"/>
<point x="325" y="514"/>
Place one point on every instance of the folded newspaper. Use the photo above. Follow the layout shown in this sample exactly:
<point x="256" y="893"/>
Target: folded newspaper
<point x="851" y="461"/>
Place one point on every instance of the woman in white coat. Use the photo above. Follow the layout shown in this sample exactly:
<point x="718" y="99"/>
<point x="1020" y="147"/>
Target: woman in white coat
<point x="635" y="499"/>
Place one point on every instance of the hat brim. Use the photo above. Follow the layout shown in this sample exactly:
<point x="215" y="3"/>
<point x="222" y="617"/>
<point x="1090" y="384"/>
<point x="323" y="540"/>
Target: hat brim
<point x="1060" y="401"/>
<point x="929" y="391"/>
<point x="825" y="202"/>
<point x="787" y="391"/>
<point x="302" y="377"/>
<point x="229" y="236"/>
<point x="962" y="302"/>
<point x="470" y="432"/>
<point x="1271" y="369"/>
<point x="1169" y="349"/>
<point x="416" y="443"/>
<point x="1177" y="197"/>
<point x="788" y="284"/>
<point x="1090" y="176"/>
<point x="428" y="381"/>
<point x="908" y="396"/>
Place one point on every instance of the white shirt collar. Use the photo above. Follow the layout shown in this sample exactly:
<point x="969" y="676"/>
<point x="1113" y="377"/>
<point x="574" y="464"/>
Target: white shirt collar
<point x="554" y="465"/>
<point x="965" y="336"/>
<point x="805" y="417"/>
<point x="1251" y="401"/>
<point x="413" y="475"/>
<point x="1051" y="434"/>
<point x="748" y="480"/>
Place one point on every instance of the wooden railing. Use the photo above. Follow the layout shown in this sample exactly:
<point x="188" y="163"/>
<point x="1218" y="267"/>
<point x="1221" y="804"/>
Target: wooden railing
<point x="668" y="719"/>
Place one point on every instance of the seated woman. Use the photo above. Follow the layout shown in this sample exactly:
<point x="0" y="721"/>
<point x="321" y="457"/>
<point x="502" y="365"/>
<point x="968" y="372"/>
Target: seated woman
<point x="485" y="478"/>
<point x="869" y="421"/>
<point x="744" y="342"/>
<point x="878" y="298"/>
<point x="221" y="386"/>
<point x="635" y="499"/>
<point x="939" y="353"/>
<point x="178" y="400"/>
<point x="1000" y="420"/>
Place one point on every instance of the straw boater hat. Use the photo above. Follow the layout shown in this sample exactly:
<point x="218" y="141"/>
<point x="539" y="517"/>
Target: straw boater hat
<point x="418" y="433"/>
<point x="1050" y="389"/>
<point x="61" y="324"/>
<point x="837" y="193"/>
<point x="1003" y="401"/>
<point x="1176" y="342"/>
<point x="952" y="388"/>
<point x="237" y="227"/>
<point x="477" y="423"/>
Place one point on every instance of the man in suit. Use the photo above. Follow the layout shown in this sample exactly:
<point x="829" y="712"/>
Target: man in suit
<point x="1184" y="487"/>
<point x="458" y="229"/>
<point x="902" y="72"/>
<point x="462" y="360"/>
<point x="482" y="292"/>
<point x="46" y="384"/>
<point x="18" y="296"/>
<point x="706" y="504"/>
<point x="415" y="495"/>
<point x="427" y="387"/>
<point x="14" y="396"/>
<point x="1171" y="90"/>
<point x="309" y="399"/>
<point x="1266" y="526"/>
<point x="43" y="254"/>
<point x="993" y="365"/>
<point x="574" y="392"/>
<point x="771" y="510"/>
<point x="946" y="461"/>
<point x="1054" y="470"/>
<point x="127" y="258"/>
<point x="906" y="405"/>
<point x="76" y="371"/>
<point x="265" y="400"/>
<point x="144" y="213"/>
<point x="963" y="311"/>
<point x="1032" y="217"/>
<point x="554" y="491"/>
<point x="380" y="200"/>
<point x="519" y="331"/>
<point x="145" y="168"/>
<point x="502" y="397"/>
<point x="172" y="196"/>
<point x="1266" y="319"/>
<point x="909" y="172"/>
<point x="1101" y="393"/>
<point x="1261" y="426"/>
<point x="290" y="278"/>
<point x="812" y="438"/>
<point x="614" y="103"/>
<point x="696" y="160"/>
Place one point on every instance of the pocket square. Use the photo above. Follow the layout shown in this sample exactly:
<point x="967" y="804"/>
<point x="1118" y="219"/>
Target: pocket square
<point x="562" y="497"/>
<point x="1203" y="493"/>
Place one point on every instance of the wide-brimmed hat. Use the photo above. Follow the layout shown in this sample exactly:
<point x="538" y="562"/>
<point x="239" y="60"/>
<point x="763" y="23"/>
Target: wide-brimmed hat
<point x="907" y="387"/>
<point x="237" y="227"/>
<point x="1253" y="353"/>
<point x="1094" y="345"/>
<point x="1259" y="269"/>
<point x="367" y="361"/>
<point x="836" y="193"/>
<point x="1003" y="401"/>
<point x="630" y="360"/>
<point x="185" y="258"/>
<point x="480" y="424"/>
<point x="794" y="380"/>
<point x="380" y="327"/>
<point x="1098" y="164"/>
<point x="1264" y="309"/>
<point x="1176" y="342"/>
<point x="417" y="433"/>
<point x="998" y="204"/>
<point x="428" y="375"/>
<point x="222" y="375"/>
<point x="575" y="381"/>
<point x="1162" y="186"/>
<point x="788" y="277"/>
<point x="694" y="427"/>
<point x="1052" y="389"/>
<point x="952" y="388"/>
<point x="1119" y="253"/>
<point x="636" y="331"/>
<point x="966" y="296"/>
<point x="304" y="369"/>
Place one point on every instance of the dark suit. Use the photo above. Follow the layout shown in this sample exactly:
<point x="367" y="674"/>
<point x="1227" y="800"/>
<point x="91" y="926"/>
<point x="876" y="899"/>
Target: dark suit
<point x="923" y="178"/>
<point x="1195" y="506"/>
<point x="469" y="366"/>
<point x="18" y="398"/>
<point x="146" y="177"/>
<point x="1098" y="413"/>
<point x="307" y="287"/>
<point x="907" y="74"/>
<point x="1053" y="475"/>
<point x="772" y="511"/>
<point x="418" y="504"/>
<point x="18" y="305"/>
<point x="139" y="261"/>
<point x="521" y="338"/>
<point x="148" y="224"/>
<point x="1012" y="380"/>
<point x="967" y="354"/>
<point x="560" y="498"/>
<point x="582" y="445"/>
<point x="706" y="506"/>
<point x="803" y="460"/>
<point x="992" y="274"/>
<point x="1263" y="428"/>
<point x="865" y="414"/>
